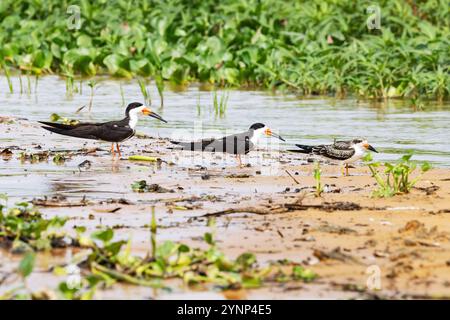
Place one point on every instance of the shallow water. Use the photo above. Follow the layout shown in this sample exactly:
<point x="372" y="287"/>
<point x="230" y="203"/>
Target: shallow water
<point x="392" y="128"/>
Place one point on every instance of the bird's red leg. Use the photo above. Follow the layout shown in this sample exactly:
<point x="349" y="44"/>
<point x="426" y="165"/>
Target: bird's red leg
<point x="112" y="150"/>
<point x="118" y="150"/>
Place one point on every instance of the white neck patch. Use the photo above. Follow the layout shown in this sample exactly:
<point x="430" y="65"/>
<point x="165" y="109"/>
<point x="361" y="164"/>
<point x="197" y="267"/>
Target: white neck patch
<point x="359" y="150"/>
<point x="134" y="116"/>
<point x="257" y="135"/>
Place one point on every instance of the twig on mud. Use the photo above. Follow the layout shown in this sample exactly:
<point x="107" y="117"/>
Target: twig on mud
<point x="335" y="254"/>
<point x="58" y="201"/>
<point x="293" y="178"/>
<point x="255" y="210"/>
<point x="326" y="206"/>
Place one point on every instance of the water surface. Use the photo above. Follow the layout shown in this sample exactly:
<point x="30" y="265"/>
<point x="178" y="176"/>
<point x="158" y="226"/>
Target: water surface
<point x="393" y="127"/>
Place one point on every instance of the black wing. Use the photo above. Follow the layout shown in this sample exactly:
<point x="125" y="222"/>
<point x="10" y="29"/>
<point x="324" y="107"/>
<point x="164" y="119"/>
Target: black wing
<point x="114" y="131"/>
<point x="234" y="144"/>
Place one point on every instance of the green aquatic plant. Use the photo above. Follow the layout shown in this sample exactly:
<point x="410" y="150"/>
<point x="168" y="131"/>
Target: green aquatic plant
<point x="54" y="117"/>
<point x="91" y="84"/>
<point x="108" y="261"/>
<point x="396" y="178"/>
<point x="194" y="266"/>
<point x="220" y="105"/>
<point x="160" y="87"/>
<point x="24" y="269"/>
<point x="317" y="177"/>
<point x="8" y="77"/>
<point x="143" y="186"/>
<point x="153" y="230"/>
<point x="59" y="158"/>
<point x="122" y="95"/>
<point x="199" y="107"/>
<point x="309" y="47"/>
<point x="145" y="92"/>
<point x="23" y="227"/>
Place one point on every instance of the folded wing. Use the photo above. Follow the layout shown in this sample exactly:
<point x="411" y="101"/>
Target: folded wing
<point x="234" y="144"/>
<point x="109" y="131"/>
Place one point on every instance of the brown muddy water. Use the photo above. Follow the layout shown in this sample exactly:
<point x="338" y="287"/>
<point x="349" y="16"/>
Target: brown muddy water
<point x="339" y="245"/>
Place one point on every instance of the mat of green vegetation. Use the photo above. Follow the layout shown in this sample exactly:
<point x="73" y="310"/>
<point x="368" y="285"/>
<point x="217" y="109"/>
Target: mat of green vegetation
<point x="311" y="47"/>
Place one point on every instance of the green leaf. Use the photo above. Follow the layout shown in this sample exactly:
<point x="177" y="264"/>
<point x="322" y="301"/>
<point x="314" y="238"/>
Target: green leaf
<point x="301" y="273"/>
<point x="84" y="41"/>
<point x="105" y="235"/>
<point x="26" y="266"/>
<point x="54" y="117"/>
<point x="165" y="250"/>
<point x="112" y="62"/>
<point x="209" y="238"/>
<point x="246" y="260"/>
<point x="183" y="248"/>
<point x="425" y="166"/>
<point x="407" y="157"/>
<point x="367" y="157"/>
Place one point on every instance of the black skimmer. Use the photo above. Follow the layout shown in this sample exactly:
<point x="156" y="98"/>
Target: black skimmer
<point x="344" y="152"/>
<point x="237" y="144"/>
<point x="112" y="131"/>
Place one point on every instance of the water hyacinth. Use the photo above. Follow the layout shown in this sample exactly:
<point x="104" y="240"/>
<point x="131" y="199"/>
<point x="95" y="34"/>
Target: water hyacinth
<point x="311" y="47"/>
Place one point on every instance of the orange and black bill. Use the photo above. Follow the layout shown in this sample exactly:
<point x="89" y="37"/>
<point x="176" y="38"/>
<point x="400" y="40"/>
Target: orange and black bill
<point x="152" y="114"/>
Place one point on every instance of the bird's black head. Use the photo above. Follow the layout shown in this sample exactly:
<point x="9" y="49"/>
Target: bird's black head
<point x="132" y="106"/>
<point x="256" y="126"/>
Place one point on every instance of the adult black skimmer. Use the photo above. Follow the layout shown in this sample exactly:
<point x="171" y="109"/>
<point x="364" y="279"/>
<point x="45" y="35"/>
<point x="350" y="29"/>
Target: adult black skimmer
<point x="343" y="151"/>
<point x="112" y="131"/>
<point x="237" y="144"/>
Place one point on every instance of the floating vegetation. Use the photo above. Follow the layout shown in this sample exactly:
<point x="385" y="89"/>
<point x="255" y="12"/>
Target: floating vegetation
<point x="305" y="46"/>
<point x="34" y="157"/>
<point x="109" y="261"/>
<point x="23" y="228"/>
<point x="396" y="178"/>
<point x="54" y="117"/>
<point x="59" y="158"/>
<point x="142" y="186"/>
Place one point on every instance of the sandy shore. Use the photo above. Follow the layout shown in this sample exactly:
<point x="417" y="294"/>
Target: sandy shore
<point x="346" y="236"/>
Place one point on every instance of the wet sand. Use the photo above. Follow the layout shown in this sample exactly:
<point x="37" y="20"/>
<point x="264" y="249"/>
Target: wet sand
<point x="345" y="236"/>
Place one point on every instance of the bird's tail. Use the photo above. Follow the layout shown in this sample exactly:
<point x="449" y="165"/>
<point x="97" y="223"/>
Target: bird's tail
<point x="56" y="125"/>
<point x="190" y="146"/>
<point x="182" y="145"/>
<point x="303" y="149"/>
<point x="66" y="132"/>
